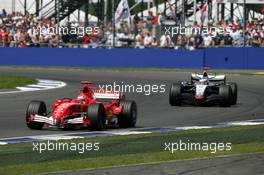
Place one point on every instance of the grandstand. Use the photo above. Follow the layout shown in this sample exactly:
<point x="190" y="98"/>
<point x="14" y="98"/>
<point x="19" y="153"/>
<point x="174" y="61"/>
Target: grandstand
<point x="146" y="26"/>
<point x="102" y="9"/>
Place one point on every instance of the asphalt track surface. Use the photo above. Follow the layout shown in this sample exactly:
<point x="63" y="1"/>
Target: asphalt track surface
<point x="153" y="110"/>
<point x="235" y="165"/>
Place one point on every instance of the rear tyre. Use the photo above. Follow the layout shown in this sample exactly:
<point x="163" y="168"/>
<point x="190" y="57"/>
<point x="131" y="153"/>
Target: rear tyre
<point x="175" y="92"/>
<point x="35" y="107"/>
<point x="96" y="114"/>
<point x="225" y="92"/>
<point x="234" y="93"/>
<point x="128" y="118"/>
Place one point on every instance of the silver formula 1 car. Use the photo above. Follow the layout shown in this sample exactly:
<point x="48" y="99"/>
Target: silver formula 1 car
<point x="203" y="90"/>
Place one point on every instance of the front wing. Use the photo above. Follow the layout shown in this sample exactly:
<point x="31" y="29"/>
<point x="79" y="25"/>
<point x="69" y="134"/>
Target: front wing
<point x="53" y="122"/>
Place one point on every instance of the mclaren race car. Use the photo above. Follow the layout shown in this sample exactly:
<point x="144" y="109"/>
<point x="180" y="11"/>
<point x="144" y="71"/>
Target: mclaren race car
<point x="204" y="89"/>
<point x="93" y="108"/>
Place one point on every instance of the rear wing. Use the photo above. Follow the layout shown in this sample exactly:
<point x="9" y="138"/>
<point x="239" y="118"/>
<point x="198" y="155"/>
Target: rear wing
<point x="195" y="77"/>
<point x="212" y="77"/>
<point x="218" y="78"/>
<point x="107" y="95"/>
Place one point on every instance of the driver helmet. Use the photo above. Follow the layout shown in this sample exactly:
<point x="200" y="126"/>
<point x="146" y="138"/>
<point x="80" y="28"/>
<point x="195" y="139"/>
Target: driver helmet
<point x="205" y="75"/>
<point x="85" y="93"/>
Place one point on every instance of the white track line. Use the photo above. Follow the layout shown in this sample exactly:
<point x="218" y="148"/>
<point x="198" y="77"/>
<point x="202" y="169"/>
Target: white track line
<point x="40" y="86"/>
<point x="133" y="131"/>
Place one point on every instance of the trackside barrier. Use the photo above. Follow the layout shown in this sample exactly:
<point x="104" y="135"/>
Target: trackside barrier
<point x="226" y="58"/>
<point x="163" y="58"/>
<point x="235" y="58"/>
<point x="216" y="58"/>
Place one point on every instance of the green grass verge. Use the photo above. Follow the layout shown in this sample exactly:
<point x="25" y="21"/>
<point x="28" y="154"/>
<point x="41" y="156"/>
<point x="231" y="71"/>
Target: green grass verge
<point x="241" y="72"/>
<point x="126" y="150"/>
<point x="11" y="82"/>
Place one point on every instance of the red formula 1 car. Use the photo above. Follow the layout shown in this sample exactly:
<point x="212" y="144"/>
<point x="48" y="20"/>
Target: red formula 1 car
<point x="93" y="109"/>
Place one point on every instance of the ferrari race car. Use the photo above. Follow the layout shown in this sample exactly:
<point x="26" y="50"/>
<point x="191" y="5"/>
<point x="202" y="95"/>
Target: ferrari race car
<point x="204" y="89"/>
<point x="93" y="109"/>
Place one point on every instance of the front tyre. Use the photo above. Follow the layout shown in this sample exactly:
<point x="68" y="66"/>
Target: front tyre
<point x="96" y="114"/>
<point x="35" y="108"/>
<point x="128" y="118"/>
<point x="234" y="93"/>
<point x="175" y="92"/>
<point x="225" y="92"/>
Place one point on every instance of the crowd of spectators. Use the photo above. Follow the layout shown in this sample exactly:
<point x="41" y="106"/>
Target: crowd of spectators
<point x="23" y="30"/>
<point x="225" y="33"/>
<point x="17" y="30"/>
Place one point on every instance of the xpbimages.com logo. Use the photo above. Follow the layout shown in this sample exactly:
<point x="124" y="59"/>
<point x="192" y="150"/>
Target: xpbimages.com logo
<point x="79" y="31"/>
<point x="173" y="30"/>
<point x="213" y="147"/>
<point x="79" y="147"/>
<point x="145" y="89"/>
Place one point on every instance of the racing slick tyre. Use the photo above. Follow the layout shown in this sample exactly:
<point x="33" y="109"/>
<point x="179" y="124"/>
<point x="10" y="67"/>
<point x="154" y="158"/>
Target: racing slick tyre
<point x="234" y="92"/>
<point x="96" y="114"/>
<point x="128" y="118"/>
<point x="225" y="92"/>
<point x="35" y="107"/>
<point x="175" y="92"/>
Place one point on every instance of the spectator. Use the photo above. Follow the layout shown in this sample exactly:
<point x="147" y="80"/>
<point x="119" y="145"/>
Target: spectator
<point x="148" y="40"/>
<point x="198" y="41"/>
<point x="36" y="41"/>
<point x="236" y="37"/>
<point x="154" y="42"/>
<point x="180" y="41"/>
<point x="165" y="41"/>
<point x="120" y="35"/>
<point x="161" y="19"/>
<point x="256" y="42"/>
<point x="228" y="40"/>
<point x="139" y="40"/>
<point x="5" y="36"/>
<point x="207" y="40"/>
<point x="217" y="39"/>
<point x="22" y="44"/>
<point x="150" y="21"/>
<point x="3" y="14"/>
<point x="191" y="43"/>
<point x="136" y="20"/>
<point x="54" y="41"/>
